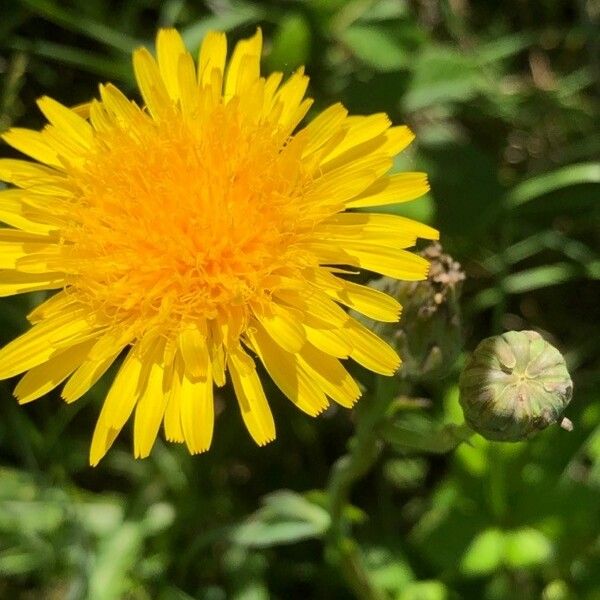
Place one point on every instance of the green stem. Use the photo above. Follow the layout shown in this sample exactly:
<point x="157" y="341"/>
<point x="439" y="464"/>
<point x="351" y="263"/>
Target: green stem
<point x="363" y="450"/>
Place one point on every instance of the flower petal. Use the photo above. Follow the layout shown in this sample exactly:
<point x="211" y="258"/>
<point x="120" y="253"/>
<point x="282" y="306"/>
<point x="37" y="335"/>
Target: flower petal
<point x="251" y="397"/>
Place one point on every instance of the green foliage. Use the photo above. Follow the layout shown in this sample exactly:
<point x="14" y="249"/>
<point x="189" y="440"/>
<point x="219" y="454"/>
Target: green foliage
<point x="503" y="99"/>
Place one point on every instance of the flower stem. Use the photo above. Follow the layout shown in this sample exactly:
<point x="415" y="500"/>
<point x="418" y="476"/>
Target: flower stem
<point x="363" y="450"/>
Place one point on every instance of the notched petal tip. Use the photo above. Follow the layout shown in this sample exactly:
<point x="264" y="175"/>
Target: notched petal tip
<point x="266" y="441"/>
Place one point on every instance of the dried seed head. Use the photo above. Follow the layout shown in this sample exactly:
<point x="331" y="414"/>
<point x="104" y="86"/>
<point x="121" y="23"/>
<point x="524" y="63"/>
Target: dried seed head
<point x="428" y="337"/>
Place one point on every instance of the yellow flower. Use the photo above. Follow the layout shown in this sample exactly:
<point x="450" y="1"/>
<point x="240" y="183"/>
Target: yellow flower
<point x="199" y="235"/>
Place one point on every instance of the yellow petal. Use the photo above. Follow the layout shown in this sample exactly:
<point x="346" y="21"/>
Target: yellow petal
<point x="194" y="350"/>
<point x="323" y="127"/>
<point x="284" y="370"/>
<point x="370" y="351"/>
<point x="88" y="373"/>
<point x="41" y="342"/>
<point x="197" y="412"/>
<point x="119" y="105"/>
<point x="67" y="121"/>
<point x="27" y="174"/>
<point x="123" y="393"/>
<point x="82" y="110"/>
<point x="151" y="405"/>
<point x="398" y="138"/>
<point x="15" y="211"/>
<point x="172" y="418"/>
<point x="392" y="262"/>
<point x="344" y="183"/>
<point x="188" y="86"/>
<point x="356" y="224"/>
<point x="113" y="341"/>
<point x="213" y="53"/>
<point x="15" y="244"/>
<point x="330" y="376"/>
<point x="32" y="143"/>
<point x="45" y="377"/>
<point x="366" y="300"/>
<point x="151" y="84"/>
<point x="370" y="302"/>
<point x="102" y="440"/>
<point x="400" y="187"/>
<point x="169" y="48"/>
<point x="251" y="397"/>
<point x="100" y="117"/>
<point x="14" y="282"/>
<point x="317" y="308"/>
<point x="244" y="66"/>
<point x="330" y="341"/>
<point x="359" y="131"/>
<point x="284" y="328"/>
<point x="271" y="86"/>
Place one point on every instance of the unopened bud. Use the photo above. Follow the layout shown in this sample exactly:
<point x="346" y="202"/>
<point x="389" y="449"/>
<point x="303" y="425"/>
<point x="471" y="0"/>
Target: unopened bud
<point x="514" y="385"/>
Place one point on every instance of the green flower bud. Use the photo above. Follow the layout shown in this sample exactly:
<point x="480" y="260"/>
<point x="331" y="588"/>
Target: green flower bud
<point x="514" y="385"/>
<point x="429" y="335"/>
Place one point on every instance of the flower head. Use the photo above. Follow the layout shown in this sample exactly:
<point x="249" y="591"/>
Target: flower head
<point x="199" y="234"/>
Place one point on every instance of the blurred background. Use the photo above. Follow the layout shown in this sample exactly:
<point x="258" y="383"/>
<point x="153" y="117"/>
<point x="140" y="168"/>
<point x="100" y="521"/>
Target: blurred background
<point x="503" y="97"/>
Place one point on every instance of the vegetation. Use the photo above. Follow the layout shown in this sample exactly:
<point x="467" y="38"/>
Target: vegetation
<point x="503" y="99"/>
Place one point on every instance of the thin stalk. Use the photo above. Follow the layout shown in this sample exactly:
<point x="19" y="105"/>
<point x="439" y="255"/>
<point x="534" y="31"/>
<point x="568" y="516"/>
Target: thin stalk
<point x="363" y="450"/>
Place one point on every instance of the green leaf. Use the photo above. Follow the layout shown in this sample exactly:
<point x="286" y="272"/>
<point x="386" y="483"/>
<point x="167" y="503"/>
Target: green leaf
<point x="376" y="47"/>
<point x="539" y="277"/>
<point x="534" y="279"/>
<point x="34" y="516"/>
<point x="526" y="548"/>
<point x="285" y="518"/>
<point x="235" y="15"/>
<point x="383" y="10"/>
<point x="263" y="534"/>
<point x="548" y="182"/>
<point x="424" y="590"/>
<point x="416" y="433"/>
<point x="16" y="561"/>
<point x="291" y="44"/>
<point x="388" y="569"/>
<point x="465" y="185"/>
<point x="285" y="503"/>
<point x="104" y="66"/>
<point x="100" y="518"/>
<point x="503" y="47"/>
<point x="442" y="75"/>
<point x="81" y="24"/>
<point x="485" y="553"/>
<point x="116" y="557"/>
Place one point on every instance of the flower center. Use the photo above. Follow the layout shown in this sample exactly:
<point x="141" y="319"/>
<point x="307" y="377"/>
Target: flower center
<point x="178" y="220"/>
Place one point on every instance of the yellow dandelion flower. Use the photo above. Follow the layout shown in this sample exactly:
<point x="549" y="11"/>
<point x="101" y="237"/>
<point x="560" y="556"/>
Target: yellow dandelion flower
<point x="199" y="234"/>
